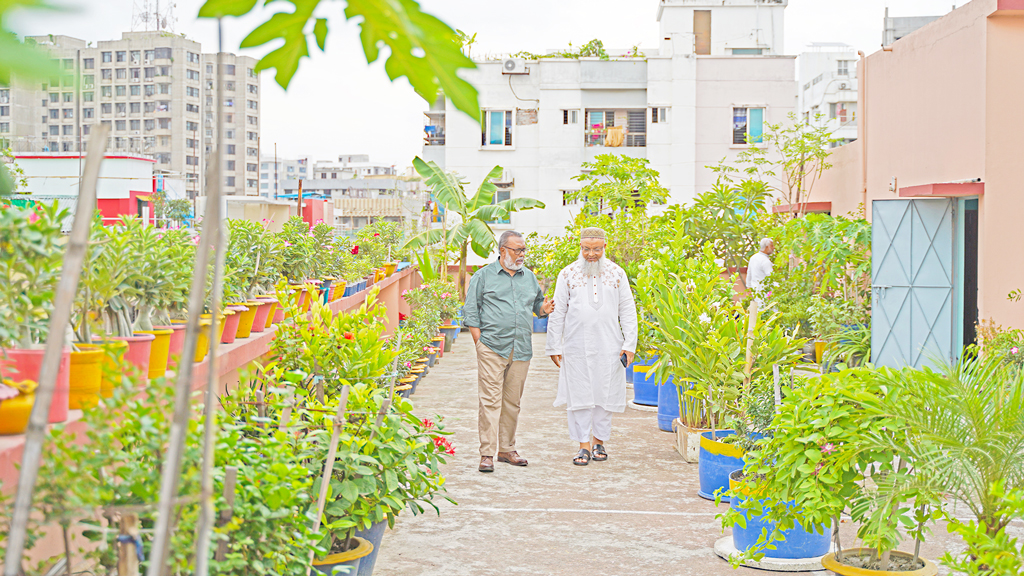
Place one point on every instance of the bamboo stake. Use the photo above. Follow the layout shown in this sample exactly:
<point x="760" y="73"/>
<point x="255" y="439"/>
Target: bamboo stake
<point x="325" y="480"/>
<point x="74" y="258"/>
<point x="127" y="553"/>
<point x="209" y="240"/>
<point x="230" y="478"/>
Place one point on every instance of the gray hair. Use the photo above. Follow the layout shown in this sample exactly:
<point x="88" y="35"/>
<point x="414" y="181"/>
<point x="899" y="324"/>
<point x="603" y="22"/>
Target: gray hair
<point x="503" y="239"/>
<point x="765" y="242"/>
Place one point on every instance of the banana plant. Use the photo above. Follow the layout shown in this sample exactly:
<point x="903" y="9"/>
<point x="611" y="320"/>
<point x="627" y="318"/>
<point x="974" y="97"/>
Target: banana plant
<point x="474" y="214"/>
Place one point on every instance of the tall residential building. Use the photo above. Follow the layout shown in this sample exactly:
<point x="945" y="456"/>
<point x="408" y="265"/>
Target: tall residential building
<point x="149" y="88"/>
<point x="828" y="89"/>
<point x="275" y="170"/>
<point x="704" y="94"/>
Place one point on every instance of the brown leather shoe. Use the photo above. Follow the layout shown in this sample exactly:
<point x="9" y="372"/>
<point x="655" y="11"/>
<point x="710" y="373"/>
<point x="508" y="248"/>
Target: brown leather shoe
<point x="512" y="458"/>
<point x="486" y="464"/>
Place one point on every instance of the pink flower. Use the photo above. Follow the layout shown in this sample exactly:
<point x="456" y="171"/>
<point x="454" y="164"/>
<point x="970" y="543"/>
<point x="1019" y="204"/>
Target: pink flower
<point x="1014" y="350"/>
<point x="287" y="244"/>
<point x="445" y="295"/>
<point x="828" y="448"/>
<point x="33" y="218"/>
<point x="408" y="364"/>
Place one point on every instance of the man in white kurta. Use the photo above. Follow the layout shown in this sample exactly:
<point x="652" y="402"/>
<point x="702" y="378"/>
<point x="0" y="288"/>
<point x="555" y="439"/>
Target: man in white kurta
<point x="593" y="324"/>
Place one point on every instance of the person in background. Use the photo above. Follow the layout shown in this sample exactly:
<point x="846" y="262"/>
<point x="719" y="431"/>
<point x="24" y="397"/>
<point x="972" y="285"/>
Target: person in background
<point x="500" y="303"/>
<point x="760" y="267"/>
<point x="592" y="335"/>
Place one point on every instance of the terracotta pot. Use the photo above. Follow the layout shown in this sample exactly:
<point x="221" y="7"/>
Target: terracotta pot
<point x="113" y="365"/>
<point x="246" y="318"/>
<point x="84" y="381"/>
<point x="259" y="322"/>
<point x="272" y="311"/>
<point x="138" y="352"/>
<point x="177" y="343"/>
<point x="19" y="365"/>
<point x="159" y="351"/>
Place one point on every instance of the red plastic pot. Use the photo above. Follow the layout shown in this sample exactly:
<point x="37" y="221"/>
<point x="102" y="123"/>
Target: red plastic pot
<point x="140" y="347"/>
<point x="177" y="342"/>
<point x="259" y="323"/>
<point x="271" y="310"/>
<point x="278" y="315"/>
<point x="19" y="365"/>
<point x="231" y="324"/>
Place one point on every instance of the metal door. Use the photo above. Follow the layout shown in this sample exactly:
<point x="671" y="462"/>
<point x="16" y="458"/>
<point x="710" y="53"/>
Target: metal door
<point x="912" y="281"/>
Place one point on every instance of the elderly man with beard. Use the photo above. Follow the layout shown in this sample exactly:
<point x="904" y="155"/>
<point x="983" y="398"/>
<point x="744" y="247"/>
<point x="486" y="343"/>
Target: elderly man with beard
<point x="591" y="338"/>
<point x="500" y="303"/>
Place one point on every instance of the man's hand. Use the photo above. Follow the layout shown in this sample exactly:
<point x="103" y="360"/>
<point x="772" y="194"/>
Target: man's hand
<point x="549" y="306"/>
<point x="629" y="356"/>
<point x="475" y="332"/>
<point x="557" y="359"/>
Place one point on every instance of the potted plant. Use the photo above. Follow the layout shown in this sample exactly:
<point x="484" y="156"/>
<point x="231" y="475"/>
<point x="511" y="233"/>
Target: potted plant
<point x="30" y="265"/>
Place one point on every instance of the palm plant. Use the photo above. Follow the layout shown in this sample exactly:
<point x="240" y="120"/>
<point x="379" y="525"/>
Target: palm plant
<point x="474" y="214"/>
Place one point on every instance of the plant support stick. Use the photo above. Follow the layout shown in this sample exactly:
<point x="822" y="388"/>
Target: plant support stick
<point x="74" y="258"/>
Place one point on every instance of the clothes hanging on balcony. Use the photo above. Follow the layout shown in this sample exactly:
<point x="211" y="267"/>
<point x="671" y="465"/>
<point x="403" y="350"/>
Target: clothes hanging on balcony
<point x="614" y="136"/>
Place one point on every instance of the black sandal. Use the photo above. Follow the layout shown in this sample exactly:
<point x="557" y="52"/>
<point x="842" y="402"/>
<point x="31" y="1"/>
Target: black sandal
<point x="600" y="455"/>
<point x="582" y="457"/>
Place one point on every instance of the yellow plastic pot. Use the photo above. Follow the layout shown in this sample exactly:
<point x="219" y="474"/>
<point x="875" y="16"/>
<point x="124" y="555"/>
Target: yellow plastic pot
<point x="86" y="376"/>
<point x="203" y="341"/>
<point x="112" y="365"/>
<point x="829" y="561"/>
<point x="390" y="267"/>
<point x="159" y="351"/>
<point x="350" y="558"/>
<point x="245" y="322"/>
<point x="14" y="413"/>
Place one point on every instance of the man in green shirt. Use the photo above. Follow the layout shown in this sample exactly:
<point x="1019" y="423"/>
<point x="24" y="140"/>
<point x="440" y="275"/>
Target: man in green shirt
<point x="500" y="303"/>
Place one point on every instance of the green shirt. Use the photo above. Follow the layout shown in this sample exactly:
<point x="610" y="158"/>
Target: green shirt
<point x="502" y="307"/>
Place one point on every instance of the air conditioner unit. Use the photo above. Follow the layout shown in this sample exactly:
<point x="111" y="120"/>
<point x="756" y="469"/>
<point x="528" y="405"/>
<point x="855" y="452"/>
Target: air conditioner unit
<point x="843" y="86"/>
<point x="514" y="66"/>
<point x="121" y="114"/>
<point x="135" y="79"/>
<point x="88" y="85"/>
<point x="148" y="60"/>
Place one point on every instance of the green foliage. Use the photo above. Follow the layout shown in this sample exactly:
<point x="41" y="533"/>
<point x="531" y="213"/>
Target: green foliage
<point x="298" y="253"/>
<point x="619" y="183"/>
<point x="31" y="250"/>
<point x="379" y="242"/>
<point x="732" y="219"/>
<point x="989" y="552"/>
<point x="592" y="49"/>
<point x="421" y="48"/>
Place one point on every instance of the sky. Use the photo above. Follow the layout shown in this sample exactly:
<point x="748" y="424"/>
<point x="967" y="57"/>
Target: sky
<point x="337" y="104"/>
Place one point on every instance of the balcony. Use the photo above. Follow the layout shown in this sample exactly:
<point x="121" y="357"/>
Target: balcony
<point x="434" y="128"/>
<point x="615" y="128"/>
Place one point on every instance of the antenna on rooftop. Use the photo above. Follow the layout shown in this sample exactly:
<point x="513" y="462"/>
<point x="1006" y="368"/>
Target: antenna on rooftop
<point x="149" y="15"/>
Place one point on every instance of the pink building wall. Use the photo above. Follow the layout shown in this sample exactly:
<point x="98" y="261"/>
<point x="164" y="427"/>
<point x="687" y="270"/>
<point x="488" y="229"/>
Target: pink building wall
<point x="942" y="106"/>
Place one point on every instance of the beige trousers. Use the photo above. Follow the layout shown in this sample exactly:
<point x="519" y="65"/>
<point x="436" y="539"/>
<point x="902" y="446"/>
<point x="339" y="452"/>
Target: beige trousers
<point x="501" y="389"/>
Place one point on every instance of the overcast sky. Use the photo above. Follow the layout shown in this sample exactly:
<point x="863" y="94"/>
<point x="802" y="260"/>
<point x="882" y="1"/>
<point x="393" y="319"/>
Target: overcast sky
<point x="336" y="104"/>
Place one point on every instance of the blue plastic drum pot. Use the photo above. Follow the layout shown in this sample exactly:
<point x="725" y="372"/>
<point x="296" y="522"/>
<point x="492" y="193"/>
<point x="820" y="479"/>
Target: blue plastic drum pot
<point x="668" y="405"/>
<point x="645" y="383"/>
<point x="716" y="461"/>
<point x="629" y="374"/>
<point x="798" y="543"/>
<point x="374" y="534"/>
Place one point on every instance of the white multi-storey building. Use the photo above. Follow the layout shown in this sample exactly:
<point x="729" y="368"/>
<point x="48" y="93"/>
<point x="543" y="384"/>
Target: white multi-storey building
<point x="828" y="89"/>
<point x="274" y="171"/>
<point x="705" y="94"/>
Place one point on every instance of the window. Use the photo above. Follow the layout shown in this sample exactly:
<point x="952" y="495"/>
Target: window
<point x="135" y="73"/>
<point x="843" y="67"/>
<point x="846" y="112"/>
<point x="106" y="91"/>
<point x="5" y="110"/>
<point x="192" y="58"/>
<point x="747" y="51"/>
<point x="253" y="89"/>
<point x="501" y="196"/>
<point x="163" y="158"/>
<point x="163" y="106"/>
<point x="229" y="181"/>
<point x="69" y="64"/>
<point x="229" y="69"/>
<point x="192" y="74"/>
<point x="149" y="107"/>
<point x="264" y="166"/>
<point x="191" y="143"/>
<point x="570" y="116"/>
<point x="88" y="79"/>
<point x="250" y="167"/>
<point x="5" y="127"/>
<point x="209" y="84"/>
<point x="251" y="120"/>
<point x="229" y="85"/>
<point x="135" y="107"/>
<point x="291" y="168"/>
<point x="150" y="125"/>
<point x="106" y="108"/>
<point x="164" y="53"/>
<point x="250" y="72"/>
<point x="163" y="70"/>
<point x="231" y="165"/>
<point x="136" y="57"/>
<point x="149" y="90"/>
<point x="192" y="91"/>
<point x="107" y="73"/>
<point x="747" y="125"/>
<point x="106" y="56"/>
<point x="192" y="126"/>
<point x="88" y="63"/>
<point x="120" y="56"/>
<point x="54" y="97"/>
<point x="497" y="128"/>
<point x="659" y="115"/>
<point x="149" y="72"/>
<point x="69" y="96"/>
<point x="263" y="185"/>
<point x="147" y="56"/>
<point x="192" y="160"/>
<point x="54" y="114"/>
<point x="165" y="140"/>
<point x="120" y="90"/>
<point x="192" y="108"/>
<point x="817" y="79"/>
<point x="86" y="112"/>
<point x="135" y="124"/>
<point x="230" y="149"/>
<point x="164" y="88"/>
<point x="87" y="96"/>
<point x="252" y="136"/>
<point x="165" y="123"/>
<point x="119" y="125"/>
<point x="253" y="152"/>
<point x="134" y="90"/>
<point x="251" y="104"/>
<point x="250" y="183"/>
<point x="209" y="68"/>
<point x="229" y="134"/>
<point x="54" y="130"/>
<point x="229" y="101"/>
<point x="69" y="112"/>
<point x="702" y="32"/>
<point x="229" y="118"/>
<point x="85" y="130"/>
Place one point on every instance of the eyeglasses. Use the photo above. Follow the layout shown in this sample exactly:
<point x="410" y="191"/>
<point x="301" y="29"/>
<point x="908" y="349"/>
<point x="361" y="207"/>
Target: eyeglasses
<point x="516" y="251"/>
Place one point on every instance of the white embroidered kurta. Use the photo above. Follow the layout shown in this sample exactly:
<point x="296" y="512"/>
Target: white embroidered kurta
<point x="593" y="322"/>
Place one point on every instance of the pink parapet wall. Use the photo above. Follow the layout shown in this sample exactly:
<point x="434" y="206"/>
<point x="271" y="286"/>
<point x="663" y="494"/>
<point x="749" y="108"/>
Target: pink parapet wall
<point x="314" y="211"/>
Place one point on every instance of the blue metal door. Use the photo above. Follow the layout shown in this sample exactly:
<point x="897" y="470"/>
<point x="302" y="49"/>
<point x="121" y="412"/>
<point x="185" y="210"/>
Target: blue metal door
<point x="912" y="282"/>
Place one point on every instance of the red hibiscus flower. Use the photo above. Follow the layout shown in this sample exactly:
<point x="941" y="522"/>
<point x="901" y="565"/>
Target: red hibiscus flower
<point x="355" y="250"/>
<point x="349" y="336"/>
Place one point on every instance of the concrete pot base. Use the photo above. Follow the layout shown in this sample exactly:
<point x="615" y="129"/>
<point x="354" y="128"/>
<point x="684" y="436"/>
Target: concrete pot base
<point x="724" y="549"/>
<point x="642" y="407"/>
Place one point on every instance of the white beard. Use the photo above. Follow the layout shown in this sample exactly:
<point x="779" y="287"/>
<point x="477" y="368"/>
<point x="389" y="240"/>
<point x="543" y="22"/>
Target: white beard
<point x="511" y="264"/>
<point x="592" y="268"/>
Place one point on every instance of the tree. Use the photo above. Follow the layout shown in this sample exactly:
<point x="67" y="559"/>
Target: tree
<point x="474" y="214"/>
<point x="618" y="182"/>
<point x="790" y="161"/>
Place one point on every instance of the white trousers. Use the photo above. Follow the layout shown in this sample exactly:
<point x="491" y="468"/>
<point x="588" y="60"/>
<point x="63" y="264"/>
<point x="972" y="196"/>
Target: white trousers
<point x="583" y="424"/>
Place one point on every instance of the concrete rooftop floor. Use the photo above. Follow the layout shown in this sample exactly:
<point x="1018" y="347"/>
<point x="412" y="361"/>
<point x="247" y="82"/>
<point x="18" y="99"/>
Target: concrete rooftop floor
<point x="638" y="513"/>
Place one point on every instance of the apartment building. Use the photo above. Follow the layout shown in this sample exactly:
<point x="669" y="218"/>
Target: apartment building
<point x="274" y="171"/>
<point x="704" y="94"/>
<point x="828" y="89"/>
<point x="149" y="88"/>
